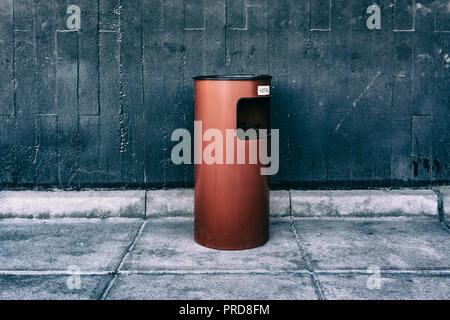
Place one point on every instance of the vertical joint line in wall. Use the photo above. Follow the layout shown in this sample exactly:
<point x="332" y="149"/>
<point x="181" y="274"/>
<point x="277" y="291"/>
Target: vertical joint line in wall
<point x="392" y="100"/>
<point x="35" y="91"/>
<point x="414" y="57"/>
<point x="267" y="39"/>
<point x="119" y="59"/>
<point x="119" y="54"/>
<point x="414" y="64"/>
<point x="329" y="16"/>
<point x="226" y="32"/>
<point x="328" y="99"/>
<point x="58" y="148"/>
<point x="309" y="14"/>
<point x="411" y="119"/>
<point x="350" y="151"/>
<point x="58" y="153"/>
<point x="14" y="58"/>
<point x="58" y="156"/>
<point x="36" y="145"/>
<point x="163" y="127"/>
<point x="162" y="15"/>
<point x="289" y="125"/>
<point x="246" y="15"/>
<point x="78" y="73"/>
<point x="99" y="132"/>
<point x="289" y="143"/>
<point x="54" y="62"/>
<point x="311" y="69"/>
<point x="78" y="140"/>
<point x="394" y="3"/>
<point x="183" y="72"/>
<point x="204" y="37"/>
<point x="35" y="49"/>
<point x="143" y="89"/>
<point x="98" y="60"/>
<point x="16" y="166"/>
<point x="391" y="154"/>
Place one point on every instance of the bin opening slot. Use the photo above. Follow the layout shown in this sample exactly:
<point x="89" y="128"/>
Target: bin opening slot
<point x="253" y="113"/>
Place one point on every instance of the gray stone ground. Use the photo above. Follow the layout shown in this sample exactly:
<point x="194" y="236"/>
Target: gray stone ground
<point x="306" y="258"/>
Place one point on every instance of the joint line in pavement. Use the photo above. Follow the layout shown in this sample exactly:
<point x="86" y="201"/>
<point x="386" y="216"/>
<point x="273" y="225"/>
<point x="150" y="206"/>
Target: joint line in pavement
<point x="119" y="267"/>
<point x="314" y="279"/>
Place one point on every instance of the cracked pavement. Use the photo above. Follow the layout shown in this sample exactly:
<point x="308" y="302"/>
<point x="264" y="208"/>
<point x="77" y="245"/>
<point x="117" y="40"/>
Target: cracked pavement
<point x="305" y="258"/>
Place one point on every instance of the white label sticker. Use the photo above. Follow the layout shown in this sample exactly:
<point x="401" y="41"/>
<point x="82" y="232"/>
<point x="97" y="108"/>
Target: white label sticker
<point x="263" y="90"/>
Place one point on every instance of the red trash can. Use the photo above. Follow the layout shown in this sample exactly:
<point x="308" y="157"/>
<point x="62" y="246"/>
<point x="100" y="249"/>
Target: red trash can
<point x="231" y="200"/>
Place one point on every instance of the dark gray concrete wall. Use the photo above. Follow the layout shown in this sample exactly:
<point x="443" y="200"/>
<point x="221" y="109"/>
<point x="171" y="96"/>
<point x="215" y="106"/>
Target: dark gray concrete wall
<point x="355" y="107"/>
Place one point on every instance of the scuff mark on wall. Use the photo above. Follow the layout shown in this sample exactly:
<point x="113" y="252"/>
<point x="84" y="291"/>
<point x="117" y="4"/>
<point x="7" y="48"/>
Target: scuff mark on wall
<point x="366" y="89"/>
<point x="355" y="102"/>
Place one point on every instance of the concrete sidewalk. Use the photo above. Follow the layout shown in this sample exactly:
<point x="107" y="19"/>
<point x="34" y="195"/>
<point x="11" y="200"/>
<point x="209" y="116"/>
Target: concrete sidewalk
<point x="180" y="202"/>
<point x="306" y="258"/>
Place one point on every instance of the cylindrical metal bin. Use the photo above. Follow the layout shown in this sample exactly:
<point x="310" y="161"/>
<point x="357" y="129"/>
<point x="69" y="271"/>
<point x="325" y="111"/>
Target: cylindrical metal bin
<point x="231" y="200"/>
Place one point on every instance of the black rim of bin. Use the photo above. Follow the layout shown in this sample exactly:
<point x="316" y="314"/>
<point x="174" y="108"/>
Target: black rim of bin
<point x="234" y="77"/>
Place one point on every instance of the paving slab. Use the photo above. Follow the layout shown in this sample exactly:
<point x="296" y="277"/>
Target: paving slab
<point x="53" y="287"/>
<point x="391" y="287"/>
<point x="372" y="203"/>
<point x="214" y="286"/>
<point x="91" y="245"/>
<point x="168" y="244"/>
<point x="390" y="243"/>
